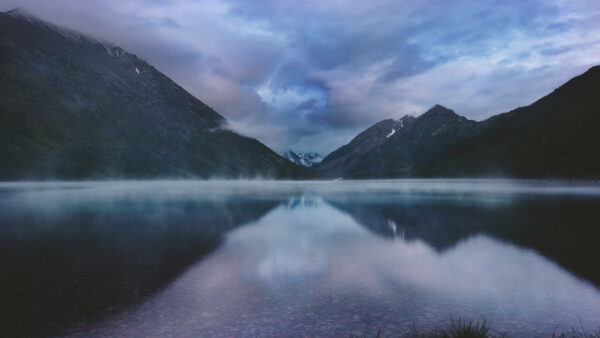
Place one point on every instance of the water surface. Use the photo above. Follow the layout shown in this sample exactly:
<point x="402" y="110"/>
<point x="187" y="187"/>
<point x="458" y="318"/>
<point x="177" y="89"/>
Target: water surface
<point x="297" y="258"/>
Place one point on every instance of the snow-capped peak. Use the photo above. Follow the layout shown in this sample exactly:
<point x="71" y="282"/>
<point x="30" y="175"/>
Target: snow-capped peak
<point x="304" y="159"/>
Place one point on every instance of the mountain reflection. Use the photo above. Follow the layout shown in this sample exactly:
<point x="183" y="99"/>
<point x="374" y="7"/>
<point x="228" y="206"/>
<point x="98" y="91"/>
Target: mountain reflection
<point x="309" y="268"/>
<point x="565" y="228"/>
<point x="306" y="258"/>
<point x="72" y="254"/>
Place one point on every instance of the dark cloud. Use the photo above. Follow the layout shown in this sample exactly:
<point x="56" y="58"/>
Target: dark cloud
<point x="308" y="75"/>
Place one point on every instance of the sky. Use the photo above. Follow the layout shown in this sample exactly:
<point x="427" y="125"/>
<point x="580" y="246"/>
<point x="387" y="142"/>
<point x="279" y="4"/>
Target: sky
<point x="309" y="75"/>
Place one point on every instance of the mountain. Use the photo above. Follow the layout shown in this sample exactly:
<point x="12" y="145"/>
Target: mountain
<point x="304" y="159"/>
<point x="409" y="148"/>
<point x="555" y="137"/>
<point x="72" y="108"/>
<point x="338" y="162"/>
<point x="395" y="148"/>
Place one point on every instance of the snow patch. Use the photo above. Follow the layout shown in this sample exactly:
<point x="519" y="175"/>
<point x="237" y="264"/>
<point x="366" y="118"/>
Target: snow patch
<point x="304" y="159"/>
<point x="137" y="70"/>
<point x="391" y="133"/>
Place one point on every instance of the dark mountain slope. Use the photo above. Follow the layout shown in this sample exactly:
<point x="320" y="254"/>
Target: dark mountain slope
<point x="410" y="147"/>
<point x="72" y="107"/>
<point x="557" y="136"/>
<point x="337" y="163"/>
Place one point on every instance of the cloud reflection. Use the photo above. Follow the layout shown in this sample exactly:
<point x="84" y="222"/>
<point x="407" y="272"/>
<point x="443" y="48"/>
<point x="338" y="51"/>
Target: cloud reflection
<point x="312" y="269"/>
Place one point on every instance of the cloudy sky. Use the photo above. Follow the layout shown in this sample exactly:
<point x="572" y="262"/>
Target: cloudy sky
<point x="309" y="75"/>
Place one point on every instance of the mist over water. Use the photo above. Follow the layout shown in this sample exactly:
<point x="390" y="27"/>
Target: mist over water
<point x="297" y="258"/>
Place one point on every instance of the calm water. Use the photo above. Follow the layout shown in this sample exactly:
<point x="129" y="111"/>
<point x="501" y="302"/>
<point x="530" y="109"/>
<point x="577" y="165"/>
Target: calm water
<point x="297" y="258"/>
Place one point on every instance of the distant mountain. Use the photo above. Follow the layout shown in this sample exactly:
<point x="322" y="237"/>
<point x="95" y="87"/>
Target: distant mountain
<point x="72" y="108"/>
<point x="304" y="159"/>
<point x="339" y="162"/>
<point x="409" y="148"/>
<point x="556" y="137"/>
<point x="393" y="148"/>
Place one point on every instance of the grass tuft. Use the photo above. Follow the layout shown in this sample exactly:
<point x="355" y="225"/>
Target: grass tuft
<point x="460" y="328"/>
<point x="457" y="328"/>
<point x="577" y="333"/>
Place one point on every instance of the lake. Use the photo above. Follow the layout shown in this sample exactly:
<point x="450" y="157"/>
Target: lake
<point x="321" y="258"/>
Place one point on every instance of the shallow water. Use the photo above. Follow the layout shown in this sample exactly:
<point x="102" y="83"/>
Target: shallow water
<point x="335" y="258"/>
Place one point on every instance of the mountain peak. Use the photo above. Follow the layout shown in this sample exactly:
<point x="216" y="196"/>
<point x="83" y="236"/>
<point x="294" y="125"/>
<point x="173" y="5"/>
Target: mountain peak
<point x="304" y="159"/>
<point x="439" y="110"/>
<point x="441" y="113"/>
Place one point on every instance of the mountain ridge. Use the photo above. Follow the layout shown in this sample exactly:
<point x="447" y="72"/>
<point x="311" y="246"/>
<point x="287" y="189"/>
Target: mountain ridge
<point x="347" y="155"/>
<point x="72" y="107"/>
<point x="553" y="137"/>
